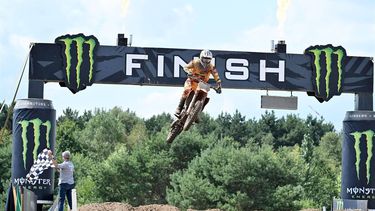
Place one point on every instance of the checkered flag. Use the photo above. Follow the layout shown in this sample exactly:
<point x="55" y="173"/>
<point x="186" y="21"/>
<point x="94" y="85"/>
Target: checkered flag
<point x="42" y="163"/>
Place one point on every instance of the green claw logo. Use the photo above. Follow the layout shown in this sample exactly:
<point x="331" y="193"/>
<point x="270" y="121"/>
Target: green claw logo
<point x="328" y="63"/>
<point x="369" y="134"/>
<point x="79" y="60"/>
<point x="37" y="125"/>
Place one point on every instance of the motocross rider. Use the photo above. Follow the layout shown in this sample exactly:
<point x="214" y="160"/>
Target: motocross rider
<point x="200" y="68"/>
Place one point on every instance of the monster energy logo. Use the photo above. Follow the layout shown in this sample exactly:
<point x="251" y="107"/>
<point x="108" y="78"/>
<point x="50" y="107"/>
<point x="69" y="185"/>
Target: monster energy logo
<point x="37" y="124"/>
<point x="79" y="63"/>
<point x="369" y="134"/>
<point x="328" y="71"/>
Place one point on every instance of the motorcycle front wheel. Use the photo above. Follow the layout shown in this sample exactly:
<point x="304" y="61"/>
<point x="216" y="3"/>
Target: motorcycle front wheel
<point x="174" y="131"/>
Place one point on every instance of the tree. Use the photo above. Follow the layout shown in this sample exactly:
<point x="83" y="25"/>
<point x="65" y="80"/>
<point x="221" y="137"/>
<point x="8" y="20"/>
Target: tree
<point x="207" y="125"/>
<point x="86" y="116"/>
<point x="68" y="114"/>
<point x="156" y="123"/>
<point x="238" y="127"/>
<point x="103" y="133"/>
<point x="66" y="136"/>
<point x="137" y="135"/>
<point x="138" y="177"/>
<point x="268" y="123"/>
<point x="3" y="114"/>
<point x="5" y="161"/>
<point x="127" y="118"/>
<point x="73" y="116"/>
<point x="292" y="130"/>
<point x="228" y="162"/>
<point x="238" y="178"/>
<point x="187" y="146"/>
<point x="84" y="172"/>
<point x="232" y="126"/>
<point x="323" y="181"/>
<point x="330" y="145"/>
<point x="7" y="112"/>
<point x="307" y="148"/>
<point x="318" y="128"/>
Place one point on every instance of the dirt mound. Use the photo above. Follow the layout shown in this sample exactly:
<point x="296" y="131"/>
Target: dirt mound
<point x="116" y="206"/>
<point x="108" y="206"/>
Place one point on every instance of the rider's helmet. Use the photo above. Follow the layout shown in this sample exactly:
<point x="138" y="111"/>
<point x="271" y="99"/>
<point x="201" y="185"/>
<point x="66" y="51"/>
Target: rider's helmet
<point x="205" y="57"/>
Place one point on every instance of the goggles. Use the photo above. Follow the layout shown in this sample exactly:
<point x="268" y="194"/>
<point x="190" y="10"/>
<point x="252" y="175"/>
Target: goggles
<point x="206" y="60"/>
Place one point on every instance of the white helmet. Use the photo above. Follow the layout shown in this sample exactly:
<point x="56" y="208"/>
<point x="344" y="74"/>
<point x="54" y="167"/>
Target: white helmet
<point x="205" y="57"/>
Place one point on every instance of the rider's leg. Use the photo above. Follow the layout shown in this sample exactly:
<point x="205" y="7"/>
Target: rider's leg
<point x="187" y="89"/>
<point x="180" y="106"/>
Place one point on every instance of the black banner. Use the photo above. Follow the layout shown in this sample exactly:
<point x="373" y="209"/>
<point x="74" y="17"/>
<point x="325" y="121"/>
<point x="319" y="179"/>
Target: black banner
<point x="358" y="156"/>
<point x="331" y="71"/>
<point x="34" y="129"/>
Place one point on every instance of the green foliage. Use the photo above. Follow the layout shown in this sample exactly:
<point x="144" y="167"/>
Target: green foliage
<point x="3" y="115"/>
<point x="307" y="148"/>
<point x="84" y="169"/>
<point x="86" y="191"/>
<point x="156" y="123"/>
<point x="227" y="162"/>
<point x="137" y="177"/>
<point x="330" y="145"/>
<point x="287" y="198"/>
<point x="232" y="126"/>
<point x="138" y="134"/>
<point x="69" y="114"/>
<point x="105" y="131"/>
<point x="187" y="146"/>
<point x="237" y="178"/>
<point x="5" y="161"/>
<point x="207" y="125"/>
<point x="291" y="131"/>
<point x="322" y="183"/>
<point x="66" y="137"/>
<point x="317" y="128"/>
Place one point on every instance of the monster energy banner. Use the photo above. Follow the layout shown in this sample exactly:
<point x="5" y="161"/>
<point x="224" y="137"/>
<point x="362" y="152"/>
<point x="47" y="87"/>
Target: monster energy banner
<point x="33" y="130"/>
<point x="327" y="71"/>
<point x="78" y="56"/>
<point x="78" y="61"/>
<point x="358" y="156"/>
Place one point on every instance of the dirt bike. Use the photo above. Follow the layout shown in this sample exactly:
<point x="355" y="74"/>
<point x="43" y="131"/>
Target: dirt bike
<point x="192" y="108"/>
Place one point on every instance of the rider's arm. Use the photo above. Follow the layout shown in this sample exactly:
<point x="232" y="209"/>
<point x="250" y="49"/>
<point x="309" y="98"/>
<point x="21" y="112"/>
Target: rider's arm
<point x="215" y="75"/>
<point x="189" y="68"/>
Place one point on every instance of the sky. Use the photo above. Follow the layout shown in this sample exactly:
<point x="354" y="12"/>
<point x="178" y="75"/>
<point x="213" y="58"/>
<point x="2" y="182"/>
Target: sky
<point x="242" y="25"/>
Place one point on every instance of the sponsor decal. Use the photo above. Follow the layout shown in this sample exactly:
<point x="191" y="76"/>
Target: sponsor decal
<point x="361" y="192"/>
<point x="37" y="127"/>
<point x="368" y="135"/>
<point x="78" y="53"/>
<point x="328" y="70"/>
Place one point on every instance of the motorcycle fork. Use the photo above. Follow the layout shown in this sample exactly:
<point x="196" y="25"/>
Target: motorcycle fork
<point x="199" y="95"/>
<point x="192" y="102"/>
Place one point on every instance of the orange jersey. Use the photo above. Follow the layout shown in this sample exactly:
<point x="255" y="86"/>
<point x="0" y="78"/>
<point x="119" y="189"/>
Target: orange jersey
<point x="196" y="68"/>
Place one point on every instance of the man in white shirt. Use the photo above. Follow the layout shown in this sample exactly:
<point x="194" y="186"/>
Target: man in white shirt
<point x="66" y="179"/>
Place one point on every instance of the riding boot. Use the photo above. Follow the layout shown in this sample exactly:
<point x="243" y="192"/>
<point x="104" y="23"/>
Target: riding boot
<point x="179" y="107"/>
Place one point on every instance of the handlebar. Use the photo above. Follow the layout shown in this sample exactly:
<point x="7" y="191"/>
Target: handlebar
<point x="216" y="88"/>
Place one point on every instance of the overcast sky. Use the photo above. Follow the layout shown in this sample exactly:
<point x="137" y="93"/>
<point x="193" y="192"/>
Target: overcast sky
<point x="244" y="25"/>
